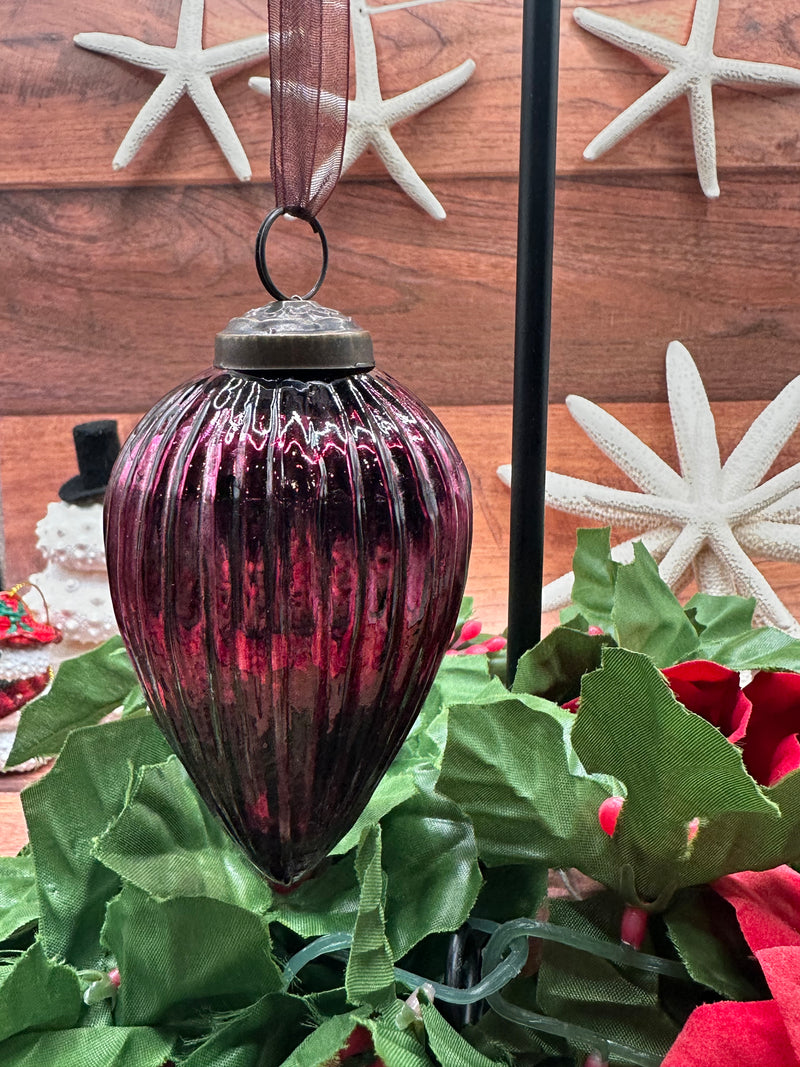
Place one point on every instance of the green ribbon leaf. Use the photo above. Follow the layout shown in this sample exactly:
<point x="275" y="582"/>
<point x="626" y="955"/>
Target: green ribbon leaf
<point x="262" y="1035"/>
<point x="510" y="766"/>
<point x="19" y="900"/>
<point x="370" y="972"/>
<point x="431" y="861"/>
<point x="449" y="1048"/>
<point x="594" y="578"/>
<point x="167" y="842"/>
<point x="37" y="993"/>
<point x="647" y="615"/>
<point x="321" y="1048"/>
<point x="554" y="668"/>
<point x="99" y="1046"/>
<point x="176" y="955"/>
<point x="676" y="767"/>
<point x="84" y="691"/>
<point x="75" y="802"/>
<point x="704" y="930"/>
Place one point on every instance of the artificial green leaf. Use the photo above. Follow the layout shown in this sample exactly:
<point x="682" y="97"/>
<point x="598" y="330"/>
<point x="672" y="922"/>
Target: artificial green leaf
<point x="85" y="790"/>
<point x="594" y="578"/>
<point x="647" y="615"/>
<point x="676" y="767"/>
<point x="321" y="1047"/>
<point x="719" y="618"/>
<point x="327" y="903"/>
<point x="428" y="842"/>
<point x="37" y="994"/>
<point x="418" y="761"/>
<point x="181" y="955"/>
<point x="512" y="892"/>
<point x="262" y="1035"/>
<point x="510" y="766"/>
<point x="84" y="691"/>
<point x="619" y="1003"/>
<point x="554" y="668"/>
<point x="397" y="1047"/>
<point x="19" y="900"/>
<point x="449" y="1048"/>
<point x="106" y="1046"/>
<point x="370" y="971"/>
<point x="167" y="842"/>
<point x="134" y="703"/>
<point x="704" y="930"/>
<point x="766" y="649"/>
<point x="465" y="611"/>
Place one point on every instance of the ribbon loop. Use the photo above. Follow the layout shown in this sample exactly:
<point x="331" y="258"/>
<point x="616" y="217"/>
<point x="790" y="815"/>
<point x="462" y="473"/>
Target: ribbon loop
<point x="309" y="47"/>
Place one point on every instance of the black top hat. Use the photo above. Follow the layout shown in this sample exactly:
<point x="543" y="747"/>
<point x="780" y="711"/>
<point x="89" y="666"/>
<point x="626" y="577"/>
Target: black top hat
<point x="96" y="446"/>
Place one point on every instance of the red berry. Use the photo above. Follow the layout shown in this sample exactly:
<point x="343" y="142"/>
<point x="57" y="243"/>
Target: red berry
<point x="113" y="977"/>
<point x="608" y="813"/>
<point x="633" y="926"/>
<point x="595" y="631"/>
<point x="691" y="830"/>
<point x="470" y="630"/>
<point x="495" y="644"/>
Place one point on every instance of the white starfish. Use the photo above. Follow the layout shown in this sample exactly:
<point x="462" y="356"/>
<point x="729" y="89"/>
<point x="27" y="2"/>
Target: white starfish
<point x="708" y="520"/>
<point x="693" y="70"/>
<point x="370" y="117"/>
<point x="187" y="68"/>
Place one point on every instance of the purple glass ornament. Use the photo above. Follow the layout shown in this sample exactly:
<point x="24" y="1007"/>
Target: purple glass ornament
<point x="287" y="557"/>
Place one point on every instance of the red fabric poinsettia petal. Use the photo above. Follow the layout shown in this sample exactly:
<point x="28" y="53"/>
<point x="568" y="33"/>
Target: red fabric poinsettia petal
<point x="730" y="1033"/>
<point x="767" y="905"/>
<point x="781" y="967"/>
<point x="711" y="691"/>
<point x="770" y="747"/>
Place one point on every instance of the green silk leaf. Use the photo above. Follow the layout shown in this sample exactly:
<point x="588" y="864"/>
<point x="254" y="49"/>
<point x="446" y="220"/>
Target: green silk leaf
<point x="327" y="903"/>
<point x="19" y="899"/>
<point x="262" y="1035"/>
<point x="84" y="691"/>
<point x="449" y="1048"/>
<point x="175" y="955"/>
<point x="167" y="842"/>
<point x="647" y="615"/>
<point x="85" y="790"/>
<point x="594" y="578"/>
<point x="554" y="668"/>
<point x="510" y="766"/>
<point x="621" y="1004"/>
<point x="321" y="1048"/>
<point x="703" y="928"/>
<point x="106" y="1046"/>
<point x="37" y="993"/>
<point x="676" y="767"/>
<point x="369" y="978"/>
<point x="430" y="858"/>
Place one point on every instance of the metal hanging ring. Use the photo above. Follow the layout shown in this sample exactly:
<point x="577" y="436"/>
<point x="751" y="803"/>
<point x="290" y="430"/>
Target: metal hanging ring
<point x="261" y="262"/>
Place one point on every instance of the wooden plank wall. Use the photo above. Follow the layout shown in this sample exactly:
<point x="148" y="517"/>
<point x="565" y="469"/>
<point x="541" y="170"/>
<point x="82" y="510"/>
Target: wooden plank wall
<point x="114" y="284"/>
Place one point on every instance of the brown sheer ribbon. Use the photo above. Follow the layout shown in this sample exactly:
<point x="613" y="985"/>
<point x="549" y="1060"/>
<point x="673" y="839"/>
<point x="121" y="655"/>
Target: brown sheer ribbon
<point x="309" y="50"/>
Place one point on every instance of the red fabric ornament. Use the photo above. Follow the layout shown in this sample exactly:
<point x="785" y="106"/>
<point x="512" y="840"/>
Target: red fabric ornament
<point x="762" y="1033"/>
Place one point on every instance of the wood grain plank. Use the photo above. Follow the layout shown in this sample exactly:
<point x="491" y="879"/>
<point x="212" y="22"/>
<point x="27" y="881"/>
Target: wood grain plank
<point x="115" y="295"/>
<point x="13" y="831"/>
<point x="66" y="110"/>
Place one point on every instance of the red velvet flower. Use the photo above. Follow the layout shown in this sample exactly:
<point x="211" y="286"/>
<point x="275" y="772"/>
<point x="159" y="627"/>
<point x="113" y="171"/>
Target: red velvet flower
<point x="770" y="748"/>
<point x="713" y="692"/>
<point x="759" y="1033"/>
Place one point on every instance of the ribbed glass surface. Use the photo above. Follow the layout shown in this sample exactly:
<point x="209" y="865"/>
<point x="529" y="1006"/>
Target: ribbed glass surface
<point x="287" y="560"/>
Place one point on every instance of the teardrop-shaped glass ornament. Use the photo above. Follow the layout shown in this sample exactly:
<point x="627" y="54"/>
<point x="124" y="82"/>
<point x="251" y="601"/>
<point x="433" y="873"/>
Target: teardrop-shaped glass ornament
<point x="287" y="542"/>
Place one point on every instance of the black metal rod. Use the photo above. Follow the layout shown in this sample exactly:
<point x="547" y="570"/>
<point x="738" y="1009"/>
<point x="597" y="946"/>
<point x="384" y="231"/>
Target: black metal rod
<point x="537" y="179"/>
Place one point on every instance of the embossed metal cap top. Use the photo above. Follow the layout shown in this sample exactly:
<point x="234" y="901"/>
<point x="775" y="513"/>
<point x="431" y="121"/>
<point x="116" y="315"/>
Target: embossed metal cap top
<point x="293" y="335"/>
